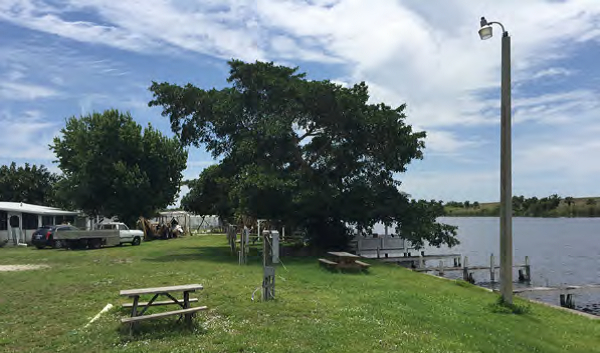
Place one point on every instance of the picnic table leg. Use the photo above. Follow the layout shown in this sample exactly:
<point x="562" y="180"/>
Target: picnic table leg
<point x="133" y="325"/>
<point x="186" y="305"/>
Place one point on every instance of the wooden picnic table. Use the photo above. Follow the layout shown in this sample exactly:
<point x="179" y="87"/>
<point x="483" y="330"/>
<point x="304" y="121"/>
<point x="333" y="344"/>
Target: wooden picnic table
<point x="138" y="309"/>
<point x="344" y="260"/>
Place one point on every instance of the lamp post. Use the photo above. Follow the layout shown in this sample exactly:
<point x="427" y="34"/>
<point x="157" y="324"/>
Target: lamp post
<point x="485" y="32"/>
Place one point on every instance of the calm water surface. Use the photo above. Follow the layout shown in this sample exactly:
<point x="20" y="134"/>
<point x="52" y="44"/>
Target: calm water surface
<point x="562" y="251"/>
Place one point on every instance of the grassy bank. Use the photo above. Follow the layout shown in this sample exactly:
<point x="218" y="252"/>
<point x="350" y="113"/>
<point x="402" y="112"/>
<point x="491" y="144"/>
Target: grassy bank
<point x="579" y="207"/>
<point x="388" y="310"/>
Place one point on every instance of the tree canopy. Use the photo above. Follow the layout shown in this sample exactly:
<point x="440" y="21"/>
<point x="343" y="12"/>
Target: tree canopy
<point x="113" y="168"/>
<point x="29" y="183"/>
<point x="312" y="154"/>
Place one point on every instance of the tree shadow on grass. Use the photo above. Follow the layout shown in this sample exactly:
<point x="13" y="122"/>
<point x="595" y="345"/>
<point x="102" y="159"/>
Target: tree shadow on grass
<point x="220" y="254"/>
<point x="166" y="328"/>
<point x="223" y="254"/>
<point x="216" y="254"/>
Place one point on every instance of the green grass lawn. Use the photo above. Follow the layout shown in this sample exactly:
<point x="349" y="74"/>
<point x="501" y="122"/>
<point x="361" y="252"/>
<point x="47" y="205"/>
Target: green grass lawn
<point x="389" y="309"/>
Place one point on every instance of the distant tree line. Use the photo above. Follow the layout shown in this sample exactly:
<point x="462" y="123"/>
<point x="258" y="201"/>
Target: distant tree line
<point x="551" y="206"/>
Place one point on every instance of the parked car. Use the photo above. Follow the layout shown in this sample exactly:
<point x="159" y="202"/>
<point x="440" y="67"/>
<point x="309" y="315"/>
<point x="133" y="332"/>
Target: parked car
<point x="132" y="236"/>
<point x="44" y="236"/>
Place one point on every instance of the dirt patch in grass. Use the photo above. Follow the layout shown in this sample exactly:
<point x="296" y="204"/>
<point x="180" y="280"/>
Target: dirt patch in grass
<point x="10" y="268"/>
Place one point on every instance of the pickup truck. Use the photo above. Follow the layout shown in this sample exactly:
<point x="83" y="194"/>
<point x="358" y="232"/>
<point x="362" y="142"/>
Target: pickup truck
<point x="132" y="236"/>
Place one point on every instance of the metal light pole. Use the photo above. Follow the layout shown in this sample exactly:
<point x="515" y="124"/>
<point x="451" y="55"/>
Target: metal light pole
<point x="485" y="32"/>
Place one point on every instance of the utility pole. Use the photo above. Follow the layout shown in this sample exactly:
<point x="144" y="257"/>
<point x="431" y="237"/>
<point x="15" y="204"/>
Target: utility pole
<point x="506" y="255"/>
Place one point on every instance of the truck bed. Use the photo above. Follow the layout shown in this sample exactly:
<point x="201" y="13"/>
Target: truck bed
<point x="86" y="234"/>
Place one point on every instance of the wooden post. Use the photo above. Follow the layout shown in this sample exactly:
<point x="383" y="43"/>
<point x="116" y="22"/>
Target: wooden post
<point x="420" y="261"/>
<point x="570" y="301"/>
<point x="492" y="270"/>
<point x="527" y="269"/>
<point x="186" y="305"/>
<point x="471" y="279"/>
<point x="134" y="312"/>
<point x="466" y="269"/>
<point x="441" y="270"/>
<point x="562" y="300"/>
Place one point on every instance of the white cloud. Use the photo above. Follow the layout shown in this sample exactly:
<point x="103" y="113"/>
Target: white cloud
<point x="572" y="156"/>
<point x="25" y="91"/>
<point x="224" y="28"/>
<point x="425" y="53"/>
<point x="26" y="136"/>
<point x="551" y="72"/>
<point x="407" y="52"/>
<point x="447" y="143"/>
<point x="452" y="186"/>
<point x="202" y="164"/>
<point x="578" y="106"/>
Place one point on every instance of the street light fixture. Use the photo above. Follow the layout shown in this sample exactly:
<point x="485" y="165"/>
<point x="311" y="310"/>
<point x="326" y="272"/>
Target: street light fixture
<point x="485" y="32"/>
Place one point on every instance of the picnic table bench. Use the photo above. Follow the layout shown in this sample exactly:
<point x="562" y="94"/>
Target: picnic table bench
<point x="344" y="261"/>
<point x="138" y="309"/>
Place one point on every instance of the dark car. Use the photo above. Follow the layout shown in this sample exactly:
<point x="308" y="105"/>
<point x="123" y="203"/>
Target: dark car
<point x="44" y="236"/>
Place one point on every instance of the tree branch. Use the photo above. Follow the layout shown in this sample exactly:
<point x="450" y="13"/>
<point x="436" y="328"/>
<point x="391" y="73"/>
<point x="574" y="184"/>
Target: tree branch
<point x="308" y="133"/>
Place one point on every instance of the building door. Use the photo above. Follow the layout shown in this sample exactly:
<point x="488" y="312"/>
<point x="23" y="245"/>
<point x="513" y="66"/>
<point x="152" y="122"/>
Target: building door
<point x="14" y="232"/>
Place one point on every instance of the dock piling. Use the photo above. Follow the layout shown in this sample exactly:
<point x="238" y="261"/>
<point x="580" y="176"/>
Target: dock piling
<point x="471" y="279"/>
<point x="570" y="301"/>
<point x="527" y="269"/>
<point x="466" y="269"/>
<point x="492" y="269"/>
<point x="566" y="301"/>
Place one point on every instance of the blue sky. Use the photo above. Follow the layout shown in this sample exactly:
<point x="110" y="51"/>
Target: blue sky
<point x="60" y="58"/>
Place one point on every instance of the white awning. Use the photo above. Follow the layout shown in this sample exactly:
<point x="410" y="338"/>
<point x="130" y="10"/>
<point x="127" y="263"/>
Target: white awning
<point x="34" y="209"/>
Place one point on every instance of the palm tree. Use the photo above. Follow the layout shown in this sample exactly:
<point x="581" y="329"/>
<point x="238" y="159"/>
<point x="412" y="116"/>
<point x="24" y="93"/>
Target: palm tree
<point x="570" y="201"/>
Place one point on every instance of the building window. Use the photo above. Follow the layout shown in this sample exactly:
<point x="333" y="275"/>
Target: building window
<point x="3" y="220"/>
<point x="30" y="221"/>
<point x="47" y="220"/>
<point x="14" y="221"/>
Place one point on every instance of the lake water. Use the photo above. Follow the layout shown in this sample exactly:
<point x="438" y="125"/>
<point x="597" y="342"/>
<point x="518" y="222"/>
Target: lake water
<point x="562" y="251"/>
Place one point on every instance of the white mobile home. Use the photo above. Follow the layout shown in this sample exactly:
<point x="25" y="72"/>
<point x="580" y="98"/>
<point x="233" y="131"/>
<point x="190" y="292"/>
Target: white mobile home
<point x="19" y="220"/>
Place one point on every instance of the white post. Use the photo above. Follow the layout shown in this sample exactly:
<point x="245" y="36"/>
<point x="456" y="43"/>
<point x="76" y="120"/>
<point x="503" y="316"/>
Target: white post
<point x="259" y="235"/>
<point x="275" y="246"/>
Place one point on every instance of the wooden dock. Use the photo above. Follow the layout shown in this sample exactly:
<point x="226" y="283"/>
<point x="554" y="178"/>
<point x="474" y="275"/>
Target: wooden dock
<point x="417" y="258"/>
<point x="474" y="268"/>
<point x="553" y="289"/>
<point x="418" y="265"/>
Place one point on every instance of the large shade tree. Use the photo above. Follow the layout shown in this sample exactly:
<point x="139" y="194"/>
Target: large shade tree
<point x="114" y="168"/>
<point x="312" y="154"/>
